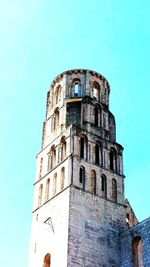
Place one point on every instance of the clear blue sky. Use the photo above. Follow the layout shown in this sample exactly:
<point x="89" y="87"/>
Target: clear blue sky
<point x="40" y="39"/>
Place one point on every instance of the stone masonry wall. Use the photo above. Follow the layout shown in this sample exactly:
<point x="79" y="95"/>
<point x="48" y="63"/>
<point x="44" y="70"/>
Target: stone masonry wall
<point x="50" y="232"/>
<point x="94" y="226"/>
<point x="140" y="230"/>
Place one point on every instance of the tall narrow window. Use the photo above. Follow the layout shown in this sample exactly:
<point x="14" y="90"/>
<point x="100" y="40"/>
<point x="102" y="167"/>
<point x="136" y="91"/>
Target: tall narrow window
<point x="84" y="147"/>
<point x="63" y="148"/>
<point x="77" y="89"/>
<point x="93" y="182"/>
<point x="58" y="94"/>
<point x="97" y="150"/>
<point x="96" y="91"/>
<point x="62" y="178"/>
<point x="52" y="123"/>
<point x="41" y="167"/>
<point x="89" y="152"/>
<point x="55" y="184"/>
<point x="56" y="118"/>
<point x="47" y="260"/>
<point x="47" y="189"/>
<point x="114" y="190"/>
<point x="40" y="195"/>
<point x="104" y="185"/>
<point x="82" y="176"/>
<point x="137" y="252"/>
<point x="113" y="159"/>
<point x="96" y="116"/>
<point x="52" y="158"/>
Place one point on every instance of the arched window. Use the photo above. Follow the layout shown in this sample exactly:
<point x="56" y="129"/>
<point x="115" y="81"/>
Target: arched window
<point x="40" y="195"/>
<point x="82" y="176"/>
<point x="62" y="178"/>
<point x="63" y="148"/>
<point x="83" y="147"/>
<point x="47" y="260"/>
<point x="56" y="118"/>
<point x="96" y="116"/>
<point x="96" y="90"/>
<point x="58" y="94"/>
<point x="104" y="185"/>
<point x="93" y="182"/>
<point x="114" y="190"/>
<point x="113" y="159"/>
<point x="52" y="158"/>
<point x="47" y="189"/>
<point x="55" y="184"/>
<point x="76" y="88"/>
<point x="41" y="167"/>
<point x="137" y="252"/>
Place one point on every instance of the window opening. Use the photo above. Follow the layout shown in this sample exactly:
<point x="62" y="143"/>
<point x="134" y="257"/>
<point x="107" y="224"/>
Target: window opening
<point x="76" y="89"/>
<point x="82" y="176"/>
<point x="113" y="160"/>
<point x="82" y="147"/>
<point x="62" y="179"/>
<point x="41" y="167"/>
<point x="114" y="190"/>
<point x="55" y="184"/>
<point x="97" y="154"/>
<point x="104" y="185"/>
<point x="137" y="252"/>
<point x="93" y="182"/>
<point x="47" y="189"/>
<point x="47" y="260"/>
<point x="40" y="195"/>
<point x="96" y="91"/>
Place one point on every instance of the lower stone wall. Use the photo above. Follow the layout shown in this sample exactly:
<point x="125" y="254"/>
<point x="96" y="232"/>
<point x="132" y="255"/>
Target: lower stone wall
<point x="94" y="227"/>
<point x="141" y="230"/>
<point x="50" y="232"/>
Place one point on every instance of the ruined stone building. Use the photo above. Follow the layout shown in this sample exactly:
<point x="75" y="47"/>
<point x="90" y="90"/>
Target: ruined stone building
<point x="80" y="215"/>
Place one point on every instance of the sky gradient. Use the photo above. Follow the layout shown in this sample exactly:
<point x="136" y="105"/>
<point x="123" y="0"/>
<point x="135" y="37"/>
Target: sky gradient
<point x="39" y="40"/>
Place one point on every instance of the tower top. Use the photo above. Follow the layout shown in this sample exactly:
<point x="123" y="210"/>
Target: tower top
<point x="71" y="72"/>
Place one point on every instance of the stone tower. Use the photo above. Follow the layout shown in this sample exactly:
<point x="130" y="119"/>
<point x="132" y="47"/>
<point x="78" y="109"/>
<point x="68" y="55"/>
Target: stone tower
<point x="79" y="207"/>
